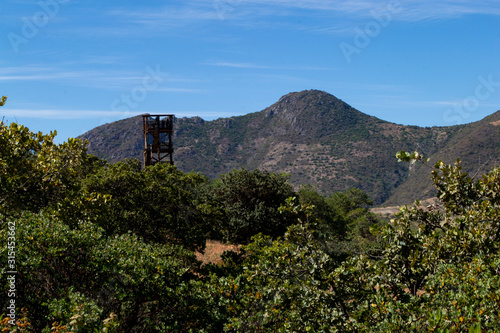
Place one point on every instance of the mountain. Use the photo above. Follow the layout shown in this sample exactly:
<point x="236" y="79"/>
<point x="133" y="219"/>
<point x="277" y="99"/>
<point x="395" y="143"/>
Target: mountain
<point x="312" y="135"/>
<point x="477" y="145"/>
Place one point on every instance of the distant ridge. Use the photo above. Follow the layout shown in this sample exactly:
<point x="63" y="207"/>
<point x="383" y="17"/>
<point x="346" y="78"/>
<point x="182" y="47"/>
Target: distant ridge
<point x="315" y="137"/>
<point x="477" y="145"/>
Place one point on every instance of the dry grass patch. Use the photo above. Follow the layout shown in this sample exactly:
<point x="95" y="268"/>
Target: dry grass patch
<point x="214" y="250"/>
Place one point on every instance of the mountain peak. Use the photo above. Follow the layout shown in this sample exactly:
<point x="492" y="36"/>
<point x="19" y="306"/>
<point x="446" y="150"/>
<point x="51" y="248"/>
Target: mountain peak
<point x="296" y="95"/>
<point x="313" y="113"/>
<point x="308" y="98"/>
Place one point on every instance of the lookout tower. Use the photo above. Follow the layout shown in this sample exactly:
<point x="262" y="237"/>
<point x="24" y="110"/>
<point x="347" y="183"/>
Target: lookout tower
<point x="158" y="138"/>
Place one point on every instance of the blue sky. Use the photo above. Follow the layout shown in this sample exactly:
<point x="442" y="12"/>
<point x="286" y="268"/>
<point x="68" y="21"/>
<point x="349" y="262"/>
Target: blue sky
<point x="73" y="65"/>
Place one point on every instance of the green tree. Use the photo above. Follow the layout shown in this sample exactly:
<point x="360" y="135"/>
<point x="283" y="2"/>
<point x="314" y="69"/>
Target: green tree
<point x="35" y="171"/>
<point x="283" y="287"/>
<point x="250" y="200"/>
<point x="347" y="203"/>
<point x="360" y="224"/>
<point x="343" y="221"/>
<point x="437" y="271"/>
<point x="160" y="203"/>
<point x="331" y="222"/>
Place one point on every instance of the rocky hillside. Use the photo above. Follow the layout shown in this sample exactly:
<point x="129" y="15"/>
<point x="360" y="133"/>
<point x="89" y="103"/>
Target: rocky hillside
<point x="477" y="145"/>
<point x="312" y="135"/>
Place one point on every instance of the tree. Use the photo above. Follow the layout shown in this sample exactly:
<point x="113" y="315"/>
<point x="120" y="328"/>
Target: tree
<point x="283" y="287"/>
<point x="250" y="200"/>
<point x="343" y="221"/>
<point x="2" y="101"/>
<point x="35" y="171"/>
<point x="331" y="222"/>
<point x="436" y="271"/>
<point x="160" y="203"/>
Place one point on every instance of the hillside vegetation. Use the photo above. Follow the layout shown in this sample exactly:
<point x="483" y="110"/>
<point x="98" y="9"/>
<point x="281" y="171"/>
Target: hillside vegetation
<point x="317" y="139"/>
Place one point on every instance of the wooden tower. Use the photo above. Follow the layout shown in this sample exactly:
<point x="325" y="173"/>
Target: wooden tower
<point x="158" y="138"/>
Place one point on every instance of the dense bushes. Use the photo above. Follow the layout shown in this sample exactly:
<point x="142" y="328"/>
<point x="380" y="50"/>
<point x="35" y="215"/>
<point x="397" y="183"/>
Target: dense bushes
<point x="343" y="222"/>
<point x="103" y="246"/>
<point x="435" y="270"/>
<point x="435" y="264"/>
<point x="110" y="248"/>
<point x="65" y="272"/>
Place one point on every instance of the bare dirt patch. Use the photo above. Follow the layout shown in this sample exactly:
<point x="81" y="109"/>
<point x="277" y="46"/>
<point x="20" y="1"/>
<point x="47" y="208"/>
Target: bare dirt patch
<point x="214" y="250"/>
<point x="428" y="204"/>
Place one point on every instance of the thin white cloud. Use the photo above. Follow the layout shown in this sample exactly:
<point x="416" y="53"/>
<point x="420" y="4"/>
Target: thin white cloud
<point x="166" y="16"/>
<point x="336" y="17"/>
<point x="180" y="90"/>
<point x="416" y="9"/>
<point x="102" y="79"/>
<point x="236" y="65"/>
<point x="256" y="66"/>
<point x="46" y="77"/>
<point x="327" y="16"/>
<point x="48" y="73"/>
<point x="103" y="60"/>
<point x="64" y="114"/>
<point x="99" y="114"/>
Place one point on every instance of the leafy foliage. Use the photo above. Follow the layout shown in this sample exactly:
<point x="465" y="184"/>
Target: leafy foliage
<point x="325" y="213"/>
<point x="427" y="257"/>
<point x="159" y="203"/>
<point x="110" y="248"/>
<point x="250" y="200"/>
<point x="343" y="222"/>
<point x="77" y="312"/>
<point x="80" y="272"/>
<point x="282" y="288"/>
<point x="436" y="271"/>
<point x="36" y="172"/>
